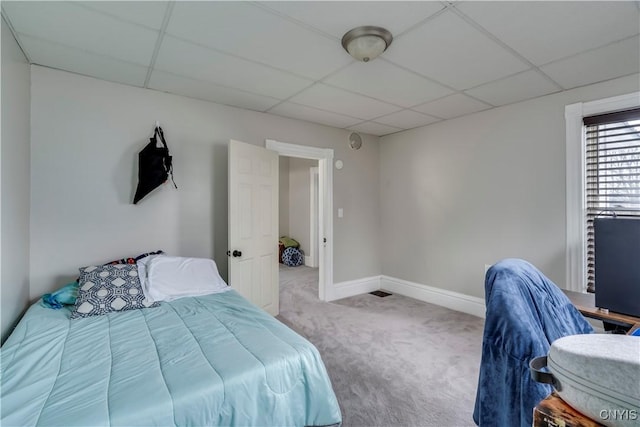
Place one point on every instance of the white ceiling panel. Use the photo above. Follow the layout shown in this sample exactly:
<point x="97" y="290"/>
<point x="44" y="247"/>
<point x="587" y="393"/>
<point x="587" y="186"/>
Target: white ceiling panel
<point x="251" y="32"/>
<point x="200" y="63"/>
<point x="527" y="85"/>
<point x="77" y="61"/>
<point x="147" y="13"/>
<point x="387" y="82"/>
<point x="452" y="106"/>
<point x="407" y="119"/>
<point x="447" y="58"/>
<point x="339" y="101"/>
<point x="374" y="128"/>
<point x="209" y="92"/>
<point x="452" y="52"/>
<point x="543" y="31"/>
<point x="336" y="18"/>
<point x="76" y="26"/>
<point x="302" y="112"/>
<point x="615" y="60"/>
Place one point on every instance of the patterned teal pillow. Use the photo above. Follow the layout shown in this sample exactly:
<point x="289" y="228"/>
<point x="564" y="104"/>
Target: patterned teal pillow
<point x="108" y="288"/>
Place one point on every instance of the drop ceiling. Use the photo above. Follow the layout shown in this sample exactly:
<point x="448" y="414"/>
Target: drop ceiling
<point x="447" y="59"/>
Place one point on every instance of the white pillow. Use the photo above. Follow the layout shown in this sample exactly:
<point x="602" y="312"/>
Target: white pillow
<point x="143" y="265"/>
<point x="169" y="278"/>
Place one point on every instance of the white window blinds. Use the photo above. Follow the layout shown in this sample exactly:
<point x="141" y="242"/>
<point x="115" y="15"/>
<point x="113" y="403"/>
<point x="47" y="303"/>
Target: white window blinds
<point x="612" y="172"/>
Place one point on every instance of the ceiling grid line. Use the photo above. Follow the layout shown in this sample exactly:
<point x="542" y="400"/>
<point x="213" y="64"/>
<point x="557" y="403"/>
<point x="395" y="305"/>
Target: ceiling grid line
<point x="293" y="20"/>
<point x="307" y="87"/>
<point x="326" y="111"/>
<point x="233" y="55"/>
<point x="88" y="6"/>
<point x="412" y="108"/>
<point x="213" y="84"/>
<point x="503" y="45"/>
<point x="590" y="50"/>
<point x="156" y="49"/>
<point x="374" y="122"/>
<point x="90" y="52"/>
<point x="431" y="79"/>
<point x="431" y="17"/>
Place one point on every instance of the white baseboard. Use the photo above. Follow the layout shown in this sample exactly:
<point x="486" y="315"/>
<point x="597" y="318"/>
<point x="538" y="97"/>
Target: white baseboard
<point x="355" y="287"/>
<point x="453" y="300"/>
<point x="307" y="261"/>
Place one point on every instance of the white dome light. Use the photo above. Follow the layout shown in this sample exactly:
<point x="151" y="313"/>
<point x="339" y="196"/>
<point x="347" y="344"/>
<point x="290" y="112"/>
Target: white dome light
<point x="366" y="43"/>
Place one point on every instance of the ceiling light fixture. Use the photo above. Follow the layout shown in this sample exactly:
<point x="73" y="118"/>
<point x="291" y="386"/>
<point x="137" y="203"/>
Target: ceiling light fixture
<point x="367" y="42"/>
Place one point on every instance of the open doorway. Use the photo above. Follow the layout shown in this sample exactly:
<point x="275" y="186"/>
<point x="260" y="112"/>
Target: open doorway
<point x="323" y="160"/>
<point x="298" y="226"/>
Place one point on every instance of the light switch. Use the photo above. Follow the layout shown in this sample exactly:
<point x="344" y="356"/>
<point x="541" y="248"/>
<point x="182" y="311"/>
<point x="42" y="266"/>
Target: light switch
<point x="340" y="212"/>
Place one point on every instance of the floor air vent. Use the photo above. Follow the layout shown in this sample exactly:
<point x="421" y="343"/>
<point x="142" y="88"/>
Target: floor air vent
<point x="380" y="293"/>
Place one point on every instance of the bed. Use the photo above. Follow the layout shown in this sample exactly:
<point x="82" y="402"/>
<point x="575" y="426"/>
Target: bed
<point x="206" y="360"/>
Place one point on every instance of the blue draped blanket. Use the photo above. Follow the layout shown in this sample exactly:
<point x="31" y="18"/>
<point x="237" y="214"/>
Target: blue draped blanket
<point x="526" y="312"/>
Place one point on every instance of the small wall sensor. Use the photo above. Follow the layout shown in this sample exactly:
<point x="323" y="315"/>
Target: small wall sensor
<point x="339" y="164"/>
<point x="355" y="141"/>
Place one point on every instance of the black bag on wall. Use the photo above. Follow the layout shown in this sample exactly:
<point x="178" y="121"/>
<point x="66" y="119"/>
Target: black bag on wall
<point x="154" y="166"/>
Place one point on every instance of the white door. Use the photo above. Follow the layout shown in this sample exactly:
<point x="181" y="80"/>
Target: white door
<point x="253" y="224"/>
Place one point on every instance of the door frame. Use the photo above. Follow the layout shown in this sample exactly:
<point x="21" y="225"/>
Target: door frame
<point x="324" y="156"/>
<point x="314" y="232"/>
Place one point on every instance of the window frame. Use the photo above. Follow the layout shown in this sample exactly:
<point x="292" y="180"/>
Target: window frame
<point x="576" y="272"/>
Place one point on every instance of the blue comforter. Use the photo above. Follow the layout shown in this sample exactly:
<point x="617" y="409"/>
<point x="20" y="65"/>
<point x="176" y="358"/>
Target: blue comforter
<point x="211" y="360"/>
<point x="526" y="312"/>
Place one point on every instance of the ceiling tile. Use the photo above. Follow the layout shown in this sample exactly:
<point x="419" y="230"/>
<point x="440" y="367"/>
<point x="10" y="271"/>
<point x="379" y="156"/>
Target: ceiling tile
<point x="209" y="92"/>
<point x="616" y="60"/>
<point x="527" y="85"/>
<point x="78" y="61"/>
<point x="199" y="63"/>
<point x="76" y="26"/>
<point x="336" y="18"/>
<point x="147" y="13"/>
<point x="543" y="31"/>
<point x="251" y="32"/>
<point x="452" y="52"/>
<point x="338" y="101"/>
<point x="407" y="119"/>
<point x="302" y="112"/>
<point x="452" y="106"/>
<point x="387" y="82"/>
<point x="374" y="128"/>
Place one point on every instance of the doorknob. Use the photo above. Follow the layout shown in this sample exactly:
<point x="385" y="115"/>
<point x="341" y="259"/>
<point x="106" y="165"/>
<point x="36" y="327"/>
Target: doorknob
<point x="237" y="253"/>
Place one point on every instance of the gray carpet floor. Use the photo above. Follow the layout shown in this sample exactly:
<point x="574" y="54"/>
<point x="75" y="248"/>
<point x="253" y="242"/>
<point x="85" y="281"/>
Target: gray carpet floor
<point x="393" y="361"/>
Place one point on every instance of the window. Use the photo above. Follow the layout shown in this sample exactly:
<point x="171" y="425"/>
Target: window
<point x="606" y="193"/>
<point x="612" y="173"/>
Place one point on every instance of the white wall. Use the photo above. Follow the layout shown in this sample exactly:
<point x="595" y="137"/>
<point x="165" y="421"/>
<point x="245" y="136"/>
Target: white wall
<point x="283" y="202"/>
<point x="299" y="201"/>
<point x="85" y="137"/>
<point x="15" y="178"/>
<point x="467" y="192"/>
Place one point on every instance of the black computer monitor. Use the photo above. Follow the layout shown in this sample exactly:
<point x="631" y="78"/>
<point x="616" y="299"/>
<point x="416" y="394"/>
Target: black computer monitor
<point x="617" y="264"/>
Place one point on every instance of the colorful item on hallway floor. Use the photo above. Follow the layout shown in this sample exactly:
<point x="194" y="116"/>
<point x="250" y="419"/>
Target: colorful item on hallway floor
<point x="288" y="242"/>
<point x="292" y="257"/>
